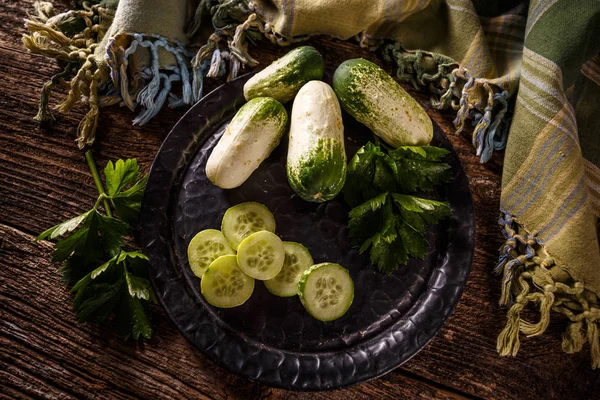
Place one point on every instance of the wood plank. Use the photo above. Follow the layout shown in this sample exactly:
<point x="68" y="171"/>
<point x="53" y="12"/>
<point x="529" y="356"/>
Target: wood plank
<point x="44" y="353"/>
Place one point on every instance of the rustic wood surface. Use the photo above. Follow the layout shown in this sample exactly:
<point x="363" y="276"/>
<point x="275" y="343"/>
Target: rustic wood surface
<point x="44" y="353"/>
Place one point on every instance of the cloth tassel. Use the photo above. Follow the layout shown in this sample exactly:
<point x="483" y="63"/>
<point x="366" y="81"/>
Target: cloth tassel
<point x="573" y="339"/>
<point x="87" y="127"/>
<point x="195" y="24"/>
<point x="526" y="265"/>
<point x="594" y="340"/>
<point x="546" y="301"/>
<point x="44" y="113"/>
<point x="151" y="87"/>
<point x="71" y="38"/>
<point x="452" y="86"/>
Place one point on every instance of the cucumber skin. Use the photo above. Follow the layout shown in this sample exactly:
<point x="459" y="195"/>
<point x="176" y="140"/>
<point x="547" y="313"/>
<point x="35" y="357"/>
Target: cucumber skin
<point x="302" y="285"/>
<point x="316" y="161"/>
<point x="283" y="78"/>
<point x="377" y="101"/>
<point x="251" y="136"/>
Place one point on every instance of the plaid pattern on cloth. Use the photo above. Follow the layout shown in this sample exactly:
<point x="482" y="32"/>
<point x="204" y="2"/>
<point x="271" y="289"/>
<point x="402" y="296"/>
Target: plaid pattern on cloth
<point x="526" y="74"/>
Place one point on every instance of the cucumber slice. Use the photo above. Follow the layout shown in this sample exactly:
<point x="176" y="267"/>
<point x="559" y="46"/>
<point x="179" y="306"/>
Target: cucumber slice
<point x="297" y="260"/>
<point x="326" y="291"/>
<point x="261" y="255"/>
<point x="244" y="219"/>
<point x="206" y="247"/>
<point x="224" y="284"/>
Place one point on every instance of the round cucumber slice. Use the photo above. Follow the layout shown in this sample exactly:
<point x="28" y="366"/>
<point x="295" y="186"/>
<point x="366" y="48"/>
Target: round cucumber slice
<point x="326" y="291"/>
<point x="206" y="247"/>
<point x="261" y="255"/>
<point x="242" y="220"/>
<point x="224" y="284"/>
<point x="297" y="260"/>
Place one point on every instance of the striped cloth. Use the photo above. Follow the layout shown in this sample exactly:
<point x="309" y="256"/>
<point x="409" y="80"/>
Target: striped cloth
<point x="533" y="63"/>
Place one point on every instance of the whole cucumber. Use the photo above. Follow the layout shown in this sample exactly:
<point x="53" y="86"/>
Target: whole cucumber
<point x="376" y="100"/>
<point x="316" y="160"/>
<point x="253" y="133"/>
<point x="284" y="77"/>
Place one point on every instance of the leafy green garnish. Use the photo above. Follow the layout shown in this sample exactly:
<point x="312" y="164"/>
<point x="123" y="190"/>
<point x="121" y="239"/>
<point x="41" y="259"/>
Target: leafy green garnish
<point x="419" y="168"/>
<point x="108" y="280"/>
<point x="385" y="220"/>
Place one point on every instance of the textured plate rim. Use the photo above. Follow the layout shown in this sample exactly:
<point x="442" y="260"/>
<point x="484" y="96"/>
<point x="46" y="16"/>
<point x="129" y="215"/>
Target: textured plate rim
<point x="168" y="165"/>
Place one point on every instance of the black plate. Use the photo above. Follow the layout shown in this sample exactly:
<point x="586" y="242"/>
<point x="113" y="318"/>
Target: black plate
<point x="270" y="339"/>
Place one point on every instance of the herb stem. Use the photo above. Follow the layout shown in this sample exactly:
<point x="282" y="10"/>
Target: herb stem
<point x="92" y="164"/>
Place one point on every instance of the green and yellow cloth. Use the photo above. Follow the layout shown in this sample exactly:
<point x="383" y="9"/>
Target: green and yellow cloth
<point x="526" y="74"/>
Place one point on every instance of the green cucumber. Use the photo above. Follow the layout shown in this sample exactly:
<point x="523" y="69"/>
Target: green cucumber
<point x="284" y="77"/>
<point x="244" y="219"/>
<point x="261" y="255"/>
<point x="316" y="160"/>
<point x="376" y="100"/>
<point x="206" y="247"/>
<point x="253" y="133"/>
<point x="326" y="291"/>
<point x="224" y="284"/>
<point x="297" y="260"/>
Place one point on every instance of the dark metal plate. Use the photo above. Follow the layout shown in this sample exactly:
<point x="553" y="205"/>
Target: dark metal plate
<point x="270" y="339"/>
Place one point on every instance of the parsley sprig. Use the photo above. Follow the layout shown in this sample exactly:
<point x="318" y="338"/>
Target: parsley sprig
<point x="386" y="218"/>
<point x="108" y="278"/>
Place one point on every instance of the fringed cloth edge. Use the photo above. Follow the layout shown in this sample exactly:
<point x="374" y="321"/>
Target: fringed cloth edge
<point x="100" y="77"/>
<point x="529" y="276"/>
<point x="452" y="86"/>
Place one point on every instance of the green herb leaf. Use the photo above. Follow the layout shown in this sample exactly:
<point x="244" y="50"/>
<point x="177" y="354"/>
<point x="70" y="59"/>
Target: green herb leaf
<point x="98" y="301"/>
<point x="63" y="227"/>
<point x="391" y="225"/>
<point x="140" y="318"/>
<point x="128" y="203"/>
<point x="365" y="220"/>
<point x="419" y="168"/>
<point x="387" y="256"/>
<point x="84" y="242"/>
<point x="120" y="175"/>
<point x="138" y="287"/>
<point x="418" y="212"/>
<point x="359" y="175"/>
<point x="108" y="281"/>
<point x="112" y="232"/>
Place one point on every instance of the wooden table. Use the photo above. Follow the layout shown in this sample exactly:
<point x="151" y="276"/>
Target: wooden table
<point x="45" y="353"/>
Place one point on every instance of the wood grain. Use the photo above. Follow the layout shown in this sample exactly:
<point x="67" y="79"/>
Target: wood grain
<point x="44" y="353"/>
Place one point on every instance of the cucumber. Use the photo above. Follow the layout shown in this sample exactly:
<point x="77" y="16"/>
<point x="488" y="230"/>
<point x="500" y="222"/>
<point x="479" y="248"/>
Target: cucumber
<point x="206" y="247"/>
<point x="316" y="160"/>
<point x="261" y="255"/>
<point x="253" y="133"/>
<point x="326" y="291"/>
<point x="244" y="219"/>
<point x="284" y="77"/>
<point x="376" y="100"/>
<point x="297" y="260"/>
<point x="224" y="284"/>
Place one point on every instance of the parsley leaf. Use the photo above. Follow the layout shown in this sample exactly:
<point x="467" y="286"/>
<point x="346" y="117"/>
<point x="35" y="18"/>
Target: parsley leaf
<point x="419" y="168"/>
<point x="120" y="175"/>
<point x="127" y="202"/>
<point x="390" y="224"/>
<point x="64" y="227"/>
<point x="108" y="281"/>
